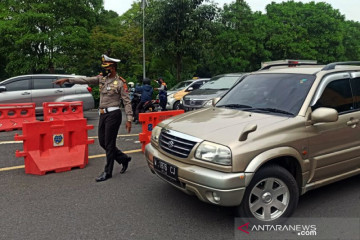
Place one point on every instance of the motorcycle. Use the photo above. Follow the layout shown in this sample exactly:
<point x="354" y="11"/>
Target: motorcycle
<point x="149" y="106"/>
<point x="152" y="106"/>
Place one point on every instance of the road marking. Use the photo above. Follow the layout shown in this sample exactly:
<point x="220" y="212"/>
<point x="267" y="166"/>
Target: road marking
<point x="11" y="168"/>
<point x="124" y="135"/>
<point x="90" y="157"/>
<point x="103" y="155"/>
<point x="9" y="142"/>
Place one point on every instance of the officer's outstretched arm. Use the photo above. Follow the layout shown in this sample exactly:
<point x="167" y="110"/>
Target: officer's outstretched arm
<point x="61" y="81"/>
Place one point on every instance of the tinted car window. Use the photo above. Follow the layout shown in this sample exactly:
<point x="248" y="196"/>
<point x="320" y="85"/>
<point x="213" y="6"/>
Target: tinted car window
<point x="355" y="85"/>
<point x="337" y="95"/>
<point x="180" y="85"/>
<point x="284" y="92"/>
<point x="222" y="82"/>
<point x="43" y="83"/>
<point x="197" y="85"/>
<point x="18" y="85"/>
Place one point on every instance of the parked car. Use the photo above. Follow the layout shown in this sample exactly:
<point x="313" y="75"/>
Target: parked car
<point x="178" y="96"/>
<point x="277" y="134"/>
<point x="171" y="91"/>
<point x="216" y="87"/>
<point x="39" y="88"/>
<point x="174" y="95"/>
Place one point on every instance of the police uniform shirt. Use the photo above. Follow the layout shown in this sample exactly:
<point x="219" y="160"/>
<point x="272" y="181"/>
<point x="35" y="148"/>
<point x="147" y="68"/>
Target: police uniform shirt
<point x="112" y="90"/>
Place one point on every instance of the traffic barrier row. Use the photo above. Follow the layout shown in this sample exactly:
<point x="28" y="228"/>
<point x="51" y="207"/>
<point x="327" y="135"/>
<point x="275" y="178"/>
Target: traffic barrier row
<point x="62" y="110"/>
<point x="54" y="146"/>
<point x="12" y="116"/>
<point x="150" y="120"/>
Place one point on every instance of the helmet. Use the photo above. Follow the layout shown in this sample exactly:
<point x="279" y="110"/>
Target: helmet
<point x="131" y="84"/>
<point x="146" y="81"/>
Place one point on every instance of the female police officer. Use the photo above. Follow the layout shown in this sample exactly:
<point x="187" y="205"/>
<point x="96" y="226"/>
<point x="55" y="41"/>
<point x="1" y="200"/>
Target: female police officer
<point x="112" y="89"/>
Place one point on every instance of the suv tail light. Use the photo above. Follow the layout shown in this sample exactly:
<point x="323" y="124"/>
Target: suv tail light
<point x="89" y="89"/>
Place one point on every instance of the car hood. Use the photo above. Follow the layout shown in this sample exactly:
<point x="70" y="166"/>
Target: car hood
<point x="171" y="92"/>
<point x="220" y="125"/>
<point x="204" y="94"/>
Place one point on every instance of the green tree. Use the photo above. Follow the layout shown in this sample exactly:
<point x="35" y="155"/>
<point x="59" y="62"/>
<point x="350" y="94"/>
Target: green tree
<point x="45" y="35"/>
<point x="233" y="45"/>
<point x="179" y="28"/>
<point x="305" y="31"/>
<point x="351" y="40"/>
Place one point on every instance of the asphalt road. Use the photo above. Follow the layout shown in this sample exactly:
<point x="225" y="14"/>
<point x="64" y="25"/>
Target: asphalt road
<point x="135" y="205"/>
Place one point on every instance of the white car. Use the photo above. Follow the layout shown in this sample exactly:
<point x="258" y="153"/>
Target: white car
<point x="39" y="88"/>
<point x="184" y="86"/>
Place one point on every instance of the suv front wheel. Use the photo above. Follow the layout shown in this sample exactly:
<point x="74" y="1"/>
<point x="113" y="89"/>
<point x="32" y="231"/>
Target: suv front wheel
<point x="272" y="194"/>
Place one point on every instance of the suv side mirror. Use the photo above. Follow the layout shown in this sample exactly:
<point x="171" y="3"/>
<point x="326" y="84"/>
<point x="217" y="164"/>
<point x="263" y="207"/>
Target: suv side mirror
<point x="322" y="115"/>
<point x="215" y="100"/>
<point x="2" y="88"/>
<point x="189" y="89"/>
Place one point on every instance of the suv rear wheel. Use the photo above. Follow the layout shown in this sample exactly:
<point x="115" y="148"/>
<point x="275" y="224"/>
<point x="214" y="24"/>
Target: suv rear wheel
<point x="272" y="194"/>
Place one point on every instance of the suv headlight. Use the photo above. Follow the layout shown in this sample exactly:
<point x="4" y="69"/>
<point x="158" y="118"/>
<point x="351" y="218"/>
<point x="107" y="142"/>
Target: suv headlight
<point x="156" y="133"/>
<point x="214" y="153"/>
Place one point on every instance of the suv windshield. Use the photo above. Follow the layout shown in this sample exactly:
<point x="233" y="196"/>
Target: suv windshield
<point x="180" y="85"/>
<point x="223" y="82"/>
<point x="272" y="93"/>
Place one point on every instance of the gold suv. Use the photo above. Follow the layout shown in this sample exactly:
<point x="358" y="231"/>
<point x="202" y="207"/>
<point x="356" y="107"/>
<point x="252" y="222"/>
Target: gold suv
<point x="278" y="133"/>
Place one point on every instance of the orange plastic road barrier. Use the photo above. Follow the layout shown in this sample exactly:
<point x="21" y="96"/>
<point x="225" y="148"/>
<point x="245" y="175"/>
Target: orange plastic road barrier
<point x="63" y="110"/>
<point x="12" y="116"/>
<point x="54" y="146"/>
<point x="150" y="120"/>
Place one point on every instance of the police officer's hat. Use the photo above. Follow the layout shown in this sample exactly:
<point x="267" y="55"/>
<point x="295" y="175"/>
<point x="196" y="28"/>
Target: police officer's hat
<point x="105" y="58"/>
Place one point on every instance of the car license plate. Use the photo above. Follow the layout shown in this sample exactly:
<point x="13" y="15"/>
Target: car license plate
<point x="165" y="168"/>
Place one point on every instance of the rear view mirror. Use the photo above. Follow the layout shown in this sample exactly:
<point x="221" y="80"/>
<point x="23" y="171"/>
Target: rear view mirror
<point x="189" y="89"/>
<point x="2" y="88"/>
<point x="322" y="115"/>
<point x="215" y="100"/>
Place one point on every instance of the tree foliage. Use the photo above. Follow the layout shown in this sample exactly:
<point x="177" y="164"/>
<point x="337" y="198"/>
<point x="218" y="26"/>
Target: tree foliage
<point x="41" y="35"/>
<point x="179" y="28"/>
<point x="184" y="38"/>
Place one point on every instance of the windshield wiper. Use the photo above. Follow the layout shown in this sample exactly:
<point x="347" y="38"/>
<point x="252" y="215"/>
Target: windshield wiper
<point x="235" y="106"/>
<point x="274" y="110"/>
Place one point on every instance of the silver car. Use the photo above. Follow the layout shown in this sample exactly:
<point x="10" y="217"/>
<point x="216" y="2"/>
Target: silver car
<point x="39" y="88"/>
<point x="216" y="87"/>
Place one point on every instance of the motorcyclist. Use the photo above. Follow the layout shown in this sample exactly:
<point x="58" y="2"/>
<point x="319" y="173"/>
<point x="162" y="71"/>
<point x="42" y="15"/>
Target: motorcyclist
<point x="146" y="91"/>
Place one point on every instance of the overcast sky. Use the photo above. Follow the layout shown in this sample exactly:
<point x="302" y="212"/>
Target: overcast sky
<point x="349" y="8"/>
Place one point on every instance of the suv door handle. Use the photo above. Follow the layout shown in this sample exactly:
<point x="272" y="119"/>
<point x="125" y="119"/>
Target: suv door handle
<point x="25" y="93"/>
<point x="58" y="91"/>
<point x="352" y="122"/>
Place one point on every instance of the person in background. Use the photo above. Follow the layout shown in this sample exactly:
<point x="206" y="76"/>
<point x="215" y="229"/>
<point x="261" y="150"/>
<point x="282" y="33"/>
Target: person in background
<point x="131" y="90"/>
<point x="162" y="93"/>
<point x="112" y="90"/>
<point x="146" y="91"/>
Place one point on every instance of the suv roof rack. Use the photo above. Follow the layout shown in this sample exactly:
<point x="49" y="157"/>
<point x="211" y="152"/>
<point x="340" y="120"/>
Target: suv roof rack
<point x="290" y="64"/>
<point x="331" y="66"/>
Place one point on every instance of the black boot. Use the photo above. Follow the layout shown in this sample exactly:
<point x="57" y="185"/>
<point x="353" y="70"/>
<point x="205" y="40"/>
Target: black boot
<point x="125" y="163"/>
<point x="103" y="177"/>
